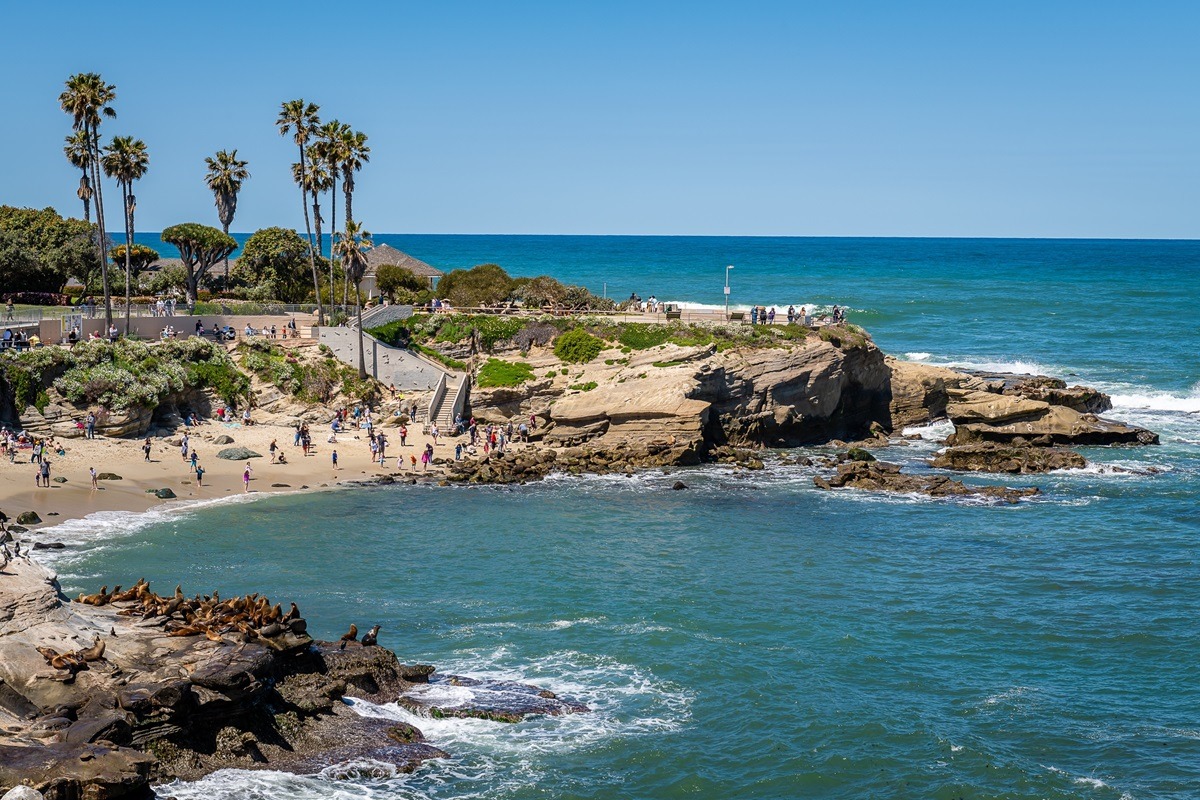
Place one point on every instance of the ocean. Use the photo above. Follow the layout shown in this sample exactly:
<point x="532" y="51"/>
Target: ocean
<point x="753" y="636"/>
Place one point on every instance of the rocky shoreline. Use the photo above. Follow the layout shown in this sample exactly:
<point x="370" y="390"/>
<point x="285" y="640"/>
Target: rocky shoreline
<point x="109" y="694"/>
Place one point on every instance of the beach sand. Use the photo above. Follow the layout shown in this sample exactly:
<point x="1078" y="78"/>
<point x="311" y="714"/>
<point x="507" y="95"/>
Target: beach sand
<point x="222" y="478"/>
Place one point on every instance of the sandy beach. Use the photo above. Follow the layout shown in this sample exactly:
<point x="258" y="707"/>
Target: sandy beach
<point x="168" y="469"/>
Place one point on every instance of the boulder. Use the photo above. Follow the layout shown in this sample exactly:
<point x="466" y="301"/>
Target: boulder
<point x="968" y="406"/>
<point x="1083" y="399"/>
<point x="109" y="476"/>
<point x="237" y="454"/>
<point x="992" y="457"/>
<point x="919" y="392"/>
<point x="59" y="479"/>
<point x="679" y="485"/>
<point x="28" y="518"/>
<point x="48" y="545"/>
<point x="223" y="439"/>
<point x="164" y="494"/>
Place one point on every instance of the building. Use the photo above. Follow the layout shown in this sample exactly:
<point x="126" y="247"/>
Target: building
<point x="383" y="254"/>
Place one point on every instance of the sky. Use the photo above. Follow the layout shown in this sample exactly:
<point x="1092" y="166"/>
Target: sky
<point x="1027" y="119"/>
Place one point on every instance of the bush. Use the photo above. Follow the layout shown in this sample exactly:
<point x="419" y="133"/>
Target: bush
<point x="503" y="373"/>
<point x="585" y="387"/>
<point x="577" y="346"/>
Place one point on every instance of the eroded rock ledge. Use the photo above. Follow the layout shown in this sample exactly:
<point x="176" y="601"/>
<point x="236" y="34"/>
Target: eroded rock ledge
<point x="101" y="698"/>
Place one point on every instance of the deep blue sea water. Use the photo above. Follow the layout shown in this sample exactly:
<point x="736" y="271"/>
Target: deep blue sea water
<point x="753" y="636"/>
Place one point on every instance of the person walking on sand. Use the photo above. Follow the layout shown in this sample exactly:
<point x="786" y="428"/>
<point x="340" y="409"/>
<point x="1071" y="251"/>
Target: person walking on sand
<point x="92" y="472"/>
<point x="426" y="457"/>
<point x="195" y="459"/>
<point x="146" y="448"/>
<point x="183" y="447"/>
<point x="246" y="477"/>
<point x="403" y="435"/>
<point x="334" y="456"/>
<point x="45" y="470"/>
<point x="200" y="476"/>
<point x="273" y="448"/>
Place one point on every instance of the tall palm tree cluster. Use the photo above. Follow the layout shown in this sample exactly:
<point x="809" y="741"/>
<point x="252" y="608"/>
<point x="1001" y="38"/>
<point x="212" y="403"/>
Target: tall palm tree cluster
<point x="330" y="153"/>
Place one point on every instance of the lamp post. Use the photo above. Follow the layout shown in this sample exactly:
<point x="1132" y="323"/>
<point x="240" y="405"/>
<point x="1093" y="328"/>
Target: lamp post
<point x="727" y="291"/>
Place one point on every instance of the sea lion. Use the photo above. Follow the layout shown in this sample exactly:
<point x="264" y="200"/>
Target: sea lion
<point x="298" y="626"/>
<point x="93" y="653"/>
<point x="293" y="613"/>
<point x="274" y="629"/>
<point x="350" y="636"/>
<point x="371" y="637"/>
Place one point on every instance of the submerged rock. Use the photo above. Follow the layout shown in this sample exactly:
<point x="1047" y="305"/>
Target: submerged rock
<point x="498" y="701"/>
<point x="879" y="476"/>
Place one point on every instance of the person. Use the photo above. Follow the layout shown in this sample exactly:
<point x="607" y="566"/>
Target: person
<point x="8" y="310"/>
<point x="146" y="448"/>
<point x="200" y="476"/>
<point x="754" y="315"/>
<point x="523" y="430"/>
<point x="249" y="330"/>
<point x="413" y="459"/>
<point x="802" y="317"/>
<point x="296" y="440"/>
<point x="160" y="308"/>
<point x="382" y="440"/>
<point x="112" y="332"/>
<point x="434" y="432"/>
<point x="199" y="328"/>
<point x="282" y="458"/>
<point x="246" y="476"/>
<point x="426" y="456"/>
<point x="73" y="336"/>
<point x="771" y="316"/>
<point x="403" y="435"/>
<point x="246" y="417"/>
<point x="458" y="452"/>
<point x="183" y="447"/>
<point x="90" y="422"/>
<point x="334" y="456"/>
<point x="194" y="460"/>
<point x="791" y="314"/>
<point x="92" y="472"/>
<point x="45" y="469"/>
<point x="274" y="334"/>
<point x="273" y="448"/>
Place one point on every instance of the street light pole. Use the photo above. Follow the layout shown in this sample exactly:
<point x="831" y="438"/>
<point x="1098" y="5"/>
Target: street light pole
<point x="727" y="291"/>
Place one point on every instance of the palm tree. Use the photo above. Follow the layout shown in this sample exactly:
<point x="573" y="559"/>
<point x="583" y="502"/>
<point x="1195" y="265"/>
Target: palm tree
<point x="87" y="99"/>
<point x="354" y="153"/>
<point x="352" y="246"/>
<point x="78" y="151"/>
<point x="226" y="173"/>
<point x="300" y="119"/>
<point x="316" y="180"/>
<point x="329" y="138"/>
<point x="126" y="160"/>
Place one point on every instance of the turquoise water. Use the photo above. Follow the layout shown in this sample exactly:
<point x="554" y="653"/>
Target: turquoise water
<point x="752" y="636"/>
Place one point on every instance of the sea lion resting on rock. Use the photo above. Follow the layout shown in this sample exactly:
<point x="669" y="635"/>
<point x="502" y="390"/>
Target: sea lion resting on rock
<point x="247" y="618"/>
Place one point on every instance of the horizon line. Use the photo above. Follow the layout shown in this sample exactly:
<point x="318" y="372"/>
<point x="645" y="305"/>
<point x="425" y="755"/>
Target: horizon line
<point x="118" y="234"/>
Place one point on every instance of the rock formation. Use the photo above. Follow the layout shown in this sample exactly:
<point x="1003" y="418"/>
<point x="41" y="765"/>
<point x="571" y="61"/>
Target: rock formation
<point x="878" y="476"/>
<point x="101" y="696"/>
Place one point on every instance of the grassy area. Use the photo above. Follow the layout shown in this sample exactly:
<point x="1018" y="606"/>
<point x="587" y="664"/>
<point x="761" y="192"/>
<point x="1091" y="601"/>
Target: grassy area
<point x="497" y="372"/>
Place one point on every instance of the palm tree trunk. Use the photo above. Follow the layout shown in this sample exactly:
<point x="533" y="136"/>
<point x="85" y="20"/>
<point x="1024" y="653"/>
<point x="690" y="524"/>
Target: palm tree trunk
<point x="312" y="261"/>
<point x="129" y="202"/>
<point x="317" y="224"/>
<point x="332" y="228"/>
<point x="87" y="199"/>
<point x="98" y="195"/>
<point x="225" y="228"/>
<point x="362" y="361"/>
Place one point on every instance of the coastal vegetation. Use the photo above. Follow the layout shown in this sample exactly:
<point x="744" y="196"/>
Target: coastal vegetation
<point x="201" y="248"/>
<point x="577" y="346"/>
<point x="40" y="250"/>
<point x="125" y="160"/>
<point x="310" y="380"/>
<point x="122" y="374"/>
<point x="499" y="373"/>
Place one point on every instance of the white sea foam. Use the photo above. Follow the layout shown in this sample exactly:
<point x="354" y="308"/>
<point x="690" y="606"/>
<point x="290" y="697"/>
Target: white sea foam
<point x="1153" y="400"/>
<point x="918" y="356"/>
<point x="932" y="431"/>
<point x="1095" y="783"/>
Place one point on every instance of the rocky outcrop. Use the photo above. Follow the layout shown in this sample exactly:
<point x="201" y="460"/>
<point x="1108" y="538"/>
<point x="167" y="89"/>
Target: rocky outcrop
<point x="673" y="404"/>
<point x="878" y="476"/>
<point x="919" y="393"/>
<point x="1006" y="418"/>
<point x="101" y="696"/>
<point x="1014" y="459"/>
<point x="1083" y="399"/>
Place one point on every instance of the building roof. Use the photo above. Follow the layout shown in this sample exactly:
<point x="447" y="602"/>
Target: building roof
<point x="386" y="254"/>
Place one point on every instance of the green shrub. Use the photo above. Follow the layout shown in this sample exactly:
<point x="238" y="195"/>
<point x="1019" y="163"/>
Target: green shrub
<point x="577" y="346"/>
<point x="452" y="363"/>
<point x="667" y="363"/>
<point x="585" y="387"/>
<point x="497" y="372"/>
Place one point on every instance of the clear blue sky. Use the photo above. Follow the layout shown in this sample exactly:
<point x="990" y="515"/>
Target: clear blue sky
<point x="790" y="118"/>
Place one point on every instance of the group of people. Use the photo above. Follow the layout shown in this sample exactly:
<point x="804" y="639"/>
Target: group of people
<point x="761" y="315"/>
<point x="163" y="307"/>
<point x="18" y="339"/>
<point x="650" y="305"/>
